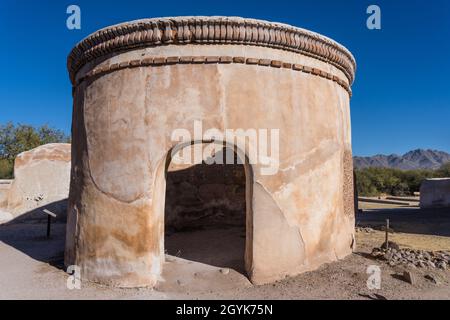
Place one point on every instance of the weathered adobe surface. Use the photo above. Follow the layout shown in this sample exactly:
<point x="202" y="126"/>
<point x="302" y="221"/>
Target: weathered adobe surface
<point x="49" y="152"/>
<point x="161" y="61"/>
<point x="435" y="193"/>
<point x="297" y="219"/>
<point x="41" y="177"/>
<point x="5" y="185"/>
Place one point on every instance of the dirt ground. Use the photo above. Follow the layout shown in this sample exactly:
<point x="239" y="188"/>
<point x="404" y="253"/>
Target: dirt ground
<point x="31" y="265"/>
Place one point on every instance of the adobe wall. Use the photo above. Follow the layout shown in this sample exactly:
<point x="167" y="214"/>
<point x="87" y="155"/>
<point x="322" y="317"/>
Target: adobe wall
<point x="435" y="193"/>
<point x="5" y="185"/>
<point x="41" y="178"/>
<point x="135" y="83"/>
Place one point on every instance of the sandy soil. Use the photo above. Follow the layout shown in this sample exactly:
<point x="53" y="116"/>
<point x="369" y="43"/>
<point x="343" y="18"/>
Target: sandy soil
<point x="31" y="265"/>
<point x="370" y="205"/>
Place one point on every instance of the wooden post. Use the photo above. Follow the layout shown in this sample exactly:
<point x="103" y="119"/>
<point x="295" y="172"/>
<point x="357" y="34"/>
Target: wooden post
<point x="49" y="221"/>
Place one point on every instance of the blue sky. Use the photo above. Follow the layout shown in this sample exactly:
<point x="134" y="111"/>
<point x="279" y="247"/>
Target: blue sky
<point x="401" y="95"/>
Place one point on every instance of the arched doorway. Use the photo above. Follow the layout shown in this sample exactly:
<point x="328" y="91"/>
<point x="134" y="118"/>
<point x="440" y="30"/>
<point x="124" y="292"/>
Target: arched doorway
<point x="207" y="209"/>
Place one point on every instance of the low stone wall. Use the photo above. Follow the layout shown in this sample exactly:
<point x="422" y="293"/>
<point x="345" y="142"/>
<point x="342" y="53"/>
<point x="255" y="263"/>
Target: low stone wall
<point x="435" y="193"/>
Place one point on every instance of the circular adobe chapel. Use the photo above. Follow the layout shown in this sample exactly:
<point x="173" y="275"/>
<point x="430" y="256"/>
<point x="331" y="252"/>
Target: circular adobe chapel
<point x="136" y="83"/>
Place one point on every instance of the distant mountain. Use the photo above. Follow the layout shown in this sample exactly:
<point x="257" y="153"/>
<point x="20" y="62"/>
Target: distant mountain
<point x="416" y="159"/>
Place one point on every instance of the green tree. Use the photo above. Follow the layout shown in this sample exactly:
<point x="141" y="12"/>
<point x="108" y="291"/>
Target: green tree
<point x="15" y="139"/>
<point x="6" y="169"/>
<point x="444" y="171"/>
<point x="377" y="181"/>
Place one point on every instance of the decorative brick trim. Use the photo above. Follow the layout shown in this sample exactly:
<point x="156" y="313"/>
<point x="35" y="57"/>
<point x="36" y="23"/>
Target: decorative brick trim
<point x="161" y="61"/>
<point x="209" y="30"/>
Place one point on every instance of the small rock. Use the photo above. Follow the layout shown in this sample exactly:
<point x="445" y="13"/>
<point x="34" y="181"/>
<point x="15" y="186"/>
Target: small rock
<point x="387" y="256"/>
<point x="364" y="229"/>
<point x="409" y="277"/>
<point x="391" y="245"/>
<point x="225" y="271"/>
<point x="432" y="278"/>
<point x="376" y="252"/>
<point x="411" y="265"/>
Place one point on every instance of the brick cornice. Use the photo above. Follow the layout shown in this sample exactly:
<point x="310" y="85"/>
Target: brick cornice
<point x="209" y="30"/>
<point x="162" y="61"/>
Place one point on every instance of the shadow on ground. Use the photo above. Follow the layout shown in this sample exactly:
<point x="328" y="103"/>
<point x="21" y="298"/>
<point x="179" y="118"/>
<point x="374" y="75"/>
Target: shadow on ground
<point x="408" y="220"/>
<point x="28" y="234"/>
<point x="219" y="247"/>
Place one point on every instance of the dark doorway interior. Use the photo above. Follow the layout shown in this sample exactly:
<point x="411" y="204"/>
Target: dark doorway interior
<point x="205" y="213"/>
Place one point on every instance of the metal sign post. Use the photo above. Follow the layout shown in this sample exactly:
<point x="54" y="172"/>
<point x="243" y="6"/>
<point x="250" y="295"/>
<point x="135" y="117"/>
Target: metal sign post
<point x="49" y="220"/>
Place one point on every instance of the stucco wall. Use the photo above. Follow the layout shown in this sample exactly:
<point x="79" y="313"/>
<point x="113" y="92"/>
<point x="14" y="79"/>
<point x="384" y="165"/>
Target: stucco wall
<point x="297" y="219"/>
<point x="435" y="193"/>
<point x="5" y="185"/>
<point x="41" y="178"/>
